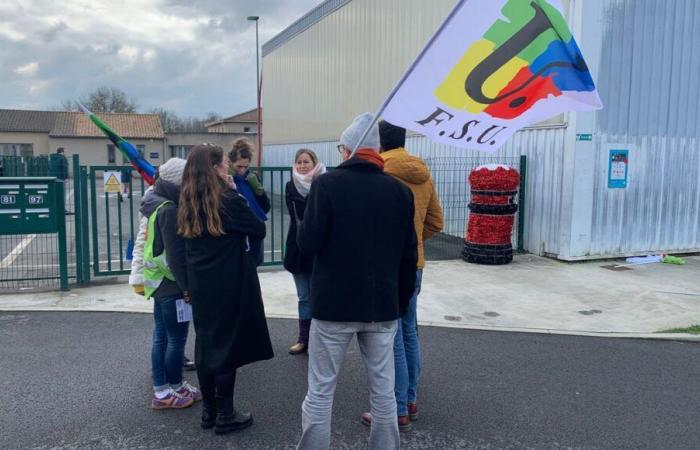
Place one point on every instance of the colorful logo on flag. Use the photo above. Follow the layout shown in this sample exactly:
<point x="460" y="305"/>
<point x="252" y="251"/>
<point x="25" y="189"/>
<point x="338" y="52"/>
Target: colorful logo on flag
<point x="517" y="63"/>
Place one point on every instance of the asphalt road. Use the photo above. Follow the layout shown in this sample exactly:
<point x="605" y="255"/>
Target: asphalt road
<point x="82" y="380"/>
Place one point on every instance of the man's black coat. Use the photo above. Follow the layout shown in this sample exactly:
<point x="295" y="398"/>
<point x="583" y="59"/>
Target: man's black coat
<point x="358" y="225"/>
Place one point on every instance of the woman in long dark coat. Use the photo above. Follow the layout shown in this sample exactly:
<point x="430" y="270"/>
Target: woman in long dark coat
<point x="229" y="317"/>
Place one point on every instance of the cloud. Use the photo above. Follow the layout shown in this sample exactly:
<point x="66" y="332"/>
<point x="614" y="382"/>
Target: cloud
<point x="38" y="86"/>
<point x="52" y="33"/>
<point x="28" y="70"/>
<point x="8" y="31"/>
<point x="128" y="54"/>
<point x="190" y="56"/>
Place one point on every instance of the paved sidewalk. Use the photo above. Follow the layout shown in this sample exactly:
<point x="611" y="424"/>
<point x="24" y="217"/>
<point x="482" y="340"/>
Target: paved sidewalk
<point x="533" y="294"/>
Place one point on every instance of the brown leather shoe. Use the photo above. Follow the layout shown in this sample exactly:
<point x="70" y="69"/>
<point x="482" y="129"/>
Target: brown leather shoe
<point x="298" y="349"/>
<point x="404" y="421"/>
<point x="413" y="411"/>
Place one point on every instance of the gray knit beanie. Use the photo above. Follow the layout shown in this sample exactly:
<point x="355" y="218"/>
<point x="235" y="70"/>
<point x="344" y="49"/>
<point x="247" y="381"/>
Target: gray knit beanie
<point x="352" y="134"/>
<point x="172" y="170"/>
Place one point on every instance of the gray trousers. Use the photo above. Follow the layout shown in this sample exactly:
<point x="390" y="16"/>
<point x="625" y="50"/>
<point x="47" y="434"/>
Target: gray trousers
<point x="328" y="343"/>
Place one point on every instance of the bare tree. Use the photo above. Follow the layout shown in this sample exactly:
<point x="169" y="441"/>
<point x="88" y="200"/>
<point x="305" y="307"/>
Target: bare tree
<point x="104" y="99"/>
<point x="113" y="100"/>
<point x="168" y="119"/>
<point x="212" y="116"/>
<point x="68" y="105"/>
<point x="173" y="123"/>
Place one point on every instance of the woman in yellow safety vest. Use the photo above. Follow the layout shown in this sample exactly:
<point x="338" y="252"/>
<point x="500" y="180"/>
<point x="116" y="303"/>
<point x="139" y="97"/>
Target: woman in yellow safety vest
<point x="165" y="281"/>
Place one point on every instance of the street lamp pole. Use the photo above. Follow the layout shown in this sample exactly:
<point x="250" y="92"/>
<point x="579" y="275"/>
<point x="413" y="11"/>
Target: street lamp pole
<point x="258" y="88"/>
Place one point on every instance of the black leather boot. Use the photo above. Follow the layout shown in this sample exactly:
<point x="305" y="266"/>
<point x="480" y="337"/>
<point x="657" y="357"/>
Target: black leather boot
<point x="207" y="384"/>
<point x="208" y="414"/>
<point x="228" y="419"/>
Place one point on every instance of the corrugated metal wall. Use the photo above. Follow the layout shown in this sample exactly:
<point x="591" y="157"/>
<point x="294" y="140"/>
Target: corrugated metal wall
<point x="316" y="82"/>
<point x="543" y="147"/>
<point x="660" y="209"/>
<point x="648" y="80"/>
<point x="645" y="57"/>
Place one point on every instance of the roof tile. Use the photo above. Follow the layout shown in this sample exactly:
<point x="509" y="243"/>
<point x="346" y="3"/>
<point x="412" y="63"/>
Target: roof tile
<point x="76" y="124"/>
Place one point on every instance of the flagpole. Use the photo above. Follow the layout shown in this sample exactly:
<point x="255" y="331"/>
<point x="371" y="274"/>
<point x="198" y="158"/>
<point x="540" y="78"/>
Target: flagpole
<point x="408" y="72"/>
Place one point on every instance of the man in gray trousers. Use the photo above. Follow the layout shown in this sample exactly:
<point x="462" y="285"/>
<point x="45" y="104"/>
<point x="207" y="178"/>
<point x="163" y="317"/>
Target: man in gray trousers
<point x="358" y="226"/>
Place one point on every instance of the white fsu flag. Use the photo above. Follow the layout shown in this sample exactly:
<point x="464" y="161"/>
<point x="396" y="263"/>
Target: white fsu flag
<point x="493" y="67"/>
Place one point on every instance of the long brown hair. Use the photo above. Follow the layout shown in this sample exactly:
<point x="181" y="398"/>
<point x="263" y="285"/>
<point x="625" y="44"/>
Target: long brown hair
<point x="201" y="191"/>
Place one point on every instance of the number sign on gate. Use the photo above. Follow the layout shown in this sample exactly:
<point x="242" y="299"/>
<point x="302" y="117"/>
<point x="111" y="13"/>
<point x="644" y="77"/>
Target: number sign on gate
<point x="8" y="199"/>
<point x="36" y="199"/>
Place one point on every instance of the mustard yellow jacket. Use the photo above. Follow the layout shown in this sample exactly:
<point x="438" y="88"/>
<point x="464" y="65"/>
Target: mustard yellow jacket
<point x="414" y="173"/>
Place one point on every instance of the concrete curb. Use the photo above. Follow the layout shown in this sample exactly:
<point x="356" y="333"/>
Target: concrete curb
<point x="679" y="337"/>
<point x="617" y="335"/>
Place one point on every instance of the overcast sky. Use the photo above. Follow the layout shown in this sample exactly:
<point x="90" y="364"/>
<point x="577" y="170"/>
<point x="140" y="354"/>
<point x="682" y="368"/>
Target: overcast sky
<point x="189" y="56"/>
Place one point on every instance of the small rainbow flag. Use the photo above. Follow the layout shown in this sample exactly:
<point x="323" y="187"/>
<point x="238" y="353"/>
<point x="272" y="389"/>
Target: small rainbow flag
<point x="143" y="167"/>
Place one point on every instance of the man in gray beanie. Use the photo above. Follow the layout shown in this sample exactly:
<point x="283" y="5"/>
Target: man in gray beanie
<point x="358" y="225"/>
<point x="352" y="134"/>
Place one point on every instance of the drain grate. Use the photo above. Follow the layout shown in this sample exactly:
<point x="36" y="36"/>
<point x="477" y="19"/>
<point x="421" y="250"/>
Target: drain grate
<point x="616" y="268"/>
<point x="591" y="312"/>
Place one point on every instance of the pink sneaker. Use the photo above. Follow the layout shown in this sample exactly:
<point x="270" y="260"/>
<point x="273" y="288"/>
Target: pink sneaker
<point x="171" y="401"/>
<point x="189" y="391"/>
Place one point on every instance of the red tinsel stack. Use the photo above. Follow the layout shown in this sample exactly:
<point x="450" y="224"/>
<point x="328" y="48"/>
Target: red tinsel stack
<point x="492" y="215"/>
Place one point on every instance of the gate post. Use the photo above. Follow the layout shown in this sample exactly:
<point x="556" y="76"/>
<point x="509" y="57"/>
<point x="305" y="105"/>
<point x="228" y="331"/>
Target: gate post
<point x="521" y="204"/>
<point x="77" y="221"/>
<point x="84" y="225"/>
<point x="61" y="214"/>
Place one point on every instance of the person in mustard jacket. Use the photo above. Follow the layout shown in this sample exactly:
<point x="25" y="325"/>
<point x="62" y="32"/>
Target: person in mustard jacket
<point x="428" y="220"/>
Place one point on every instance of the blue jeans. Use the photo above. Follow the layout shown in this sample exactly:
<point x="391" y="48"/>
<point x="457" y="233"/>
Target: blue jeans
<point x="407" y="354"/>
<point x="169" y="338"/>
<point x="303" y="283"/>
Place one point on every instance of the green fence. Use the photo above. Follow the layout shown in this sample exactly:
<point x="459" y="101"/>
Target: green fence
<point x="25" y="166"/>
<point x="451" y="178"/>
<point x="274" y="180"/>
<point x="33" y="233"/>
<point x="114" y="219"/>
<point x="99" y="225"/>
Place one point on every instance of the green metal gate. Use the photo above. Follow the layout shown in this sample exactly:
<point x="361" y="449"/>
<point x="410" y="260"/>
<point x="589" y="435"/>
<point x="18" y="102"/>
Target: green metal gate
<point x="274" y="180"/>
<point x="33" y="233"/>
<point x="99" y="225"/>
<point x="113" y="218"/>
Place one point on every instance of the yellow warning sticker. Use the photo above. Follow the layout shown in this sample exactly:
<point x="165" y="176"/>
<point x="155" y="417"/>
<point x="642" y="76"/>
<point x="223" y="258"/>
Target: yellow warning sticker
<point x="113" y="182"/>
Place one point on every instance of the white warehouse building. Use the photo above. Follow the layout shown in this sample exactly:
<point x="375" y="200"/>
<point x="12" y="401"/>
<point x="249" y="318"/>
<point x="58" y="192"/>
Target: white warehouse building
<point x="344" y="57"/>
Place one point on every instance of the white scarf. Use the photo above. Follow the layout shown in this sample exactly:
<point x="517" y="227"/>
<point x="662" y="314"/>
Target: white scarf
<point x="303" y="182"/>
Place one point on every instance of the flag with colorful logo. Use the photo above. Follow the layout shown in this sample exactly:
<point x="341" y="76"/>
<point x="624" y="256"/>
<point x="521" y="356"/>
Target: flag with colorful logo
<point x="493" y="67"/>
<point x="138" y="162"/>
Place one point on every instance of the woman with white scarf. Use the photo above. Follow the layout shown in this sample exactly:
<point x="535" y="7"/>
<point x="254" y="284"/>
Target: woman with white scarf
<point x="306" y="170"/>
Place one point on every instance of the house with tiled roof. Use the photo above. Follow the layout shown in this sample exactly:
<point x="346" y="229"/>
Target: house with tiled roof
<point x="246" y="122"/>
<point x="31" y="133"/>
